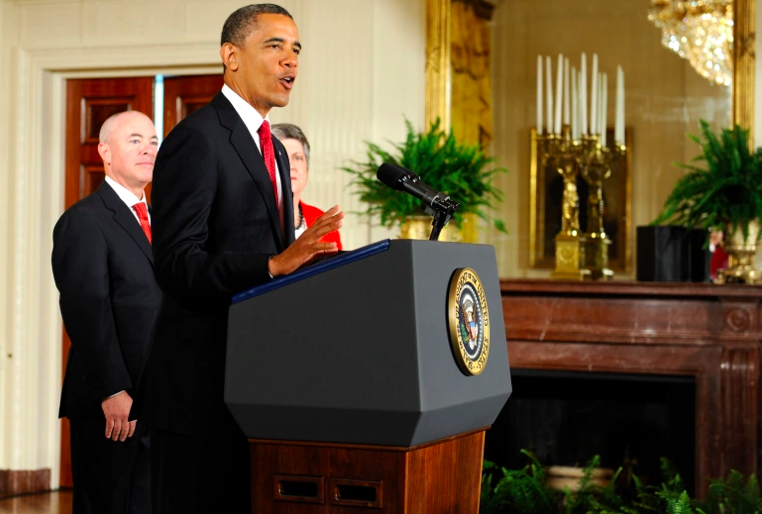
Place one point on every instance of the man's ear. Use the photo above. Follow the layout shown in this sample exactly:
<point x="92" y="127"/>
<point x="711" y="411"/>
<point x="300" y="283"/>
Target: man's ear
<point x="229" y="56"/>
<point x="104" y="150"/>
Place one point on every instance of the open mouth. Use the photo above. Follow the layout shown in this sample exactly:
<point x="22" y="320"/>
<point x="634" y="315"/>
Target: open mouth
<point x="288" y="81"/>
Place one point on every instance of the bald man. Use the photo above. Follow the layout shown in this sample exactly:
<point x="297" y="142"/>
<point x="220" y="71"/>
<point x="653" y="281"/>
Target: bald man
<point x="103" y="268"/>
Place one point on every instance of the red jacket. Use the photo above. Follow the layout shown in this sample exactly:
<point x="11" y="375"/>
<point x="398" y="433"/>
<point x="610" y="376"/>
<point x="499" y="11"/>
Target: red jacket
<point x="310" y="215"/>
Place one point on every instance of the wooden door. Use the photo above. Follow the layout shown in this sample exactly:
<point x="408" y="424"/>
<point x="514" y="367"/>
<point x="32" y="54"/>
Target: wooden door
<point x="183" y="95"/>
<point x="89" y="102"/>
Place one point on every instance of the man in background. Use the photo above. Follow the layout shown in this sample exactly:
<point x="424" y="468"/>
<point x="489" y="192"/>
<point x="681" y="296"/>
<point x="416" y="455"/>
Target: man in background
<point x="223" y="223"/>
<point x="103" y="268"/>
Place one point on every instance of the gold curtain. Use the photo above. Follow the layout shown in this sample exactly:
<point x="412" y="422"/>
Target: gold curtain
<point x="471" y="103"/>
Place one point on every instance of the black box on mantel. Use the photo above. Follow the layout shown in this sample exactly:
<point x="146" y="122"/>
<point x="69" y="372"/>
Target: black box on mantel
<point x="672" y="254"/>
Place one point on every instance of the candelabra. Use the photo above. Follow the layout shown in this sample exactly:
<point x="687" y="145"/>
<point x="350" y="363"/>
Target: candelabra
<point x="597" y="164"/>
<point x="580" y="256"/>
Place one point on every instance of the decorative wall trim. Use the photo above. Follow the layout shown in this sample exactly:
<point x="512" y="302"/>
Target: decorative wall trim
<point x="438" y="65"/>
<point x="744" y="34"/>
<point x="19" y="482"/>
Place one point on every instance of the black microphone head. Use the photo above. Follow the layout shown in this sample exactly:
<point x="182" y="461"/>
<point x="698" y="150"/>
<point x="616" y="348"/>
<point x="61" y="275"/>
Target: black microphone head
<point x="391" y="175"/>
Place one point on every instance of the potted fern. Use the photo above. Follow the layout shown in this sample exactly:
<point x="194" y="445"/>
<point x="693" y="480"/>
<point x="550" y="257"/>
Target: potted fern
<point x="725" y="194"/>
<point x="462" y="171"/>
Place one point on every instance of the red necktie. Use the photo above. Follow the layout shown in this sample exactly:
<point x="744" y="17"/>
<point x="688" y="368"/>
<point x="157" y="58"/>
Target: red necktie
<point x="142" y="212"/>
<point x="268" y="153"/>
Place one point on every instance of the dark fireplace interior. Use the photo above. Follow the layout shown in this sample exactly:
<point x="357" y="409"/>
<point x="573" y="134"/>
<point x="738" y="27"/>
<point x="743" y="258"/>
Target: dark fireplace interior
<point x="567" y="417"/>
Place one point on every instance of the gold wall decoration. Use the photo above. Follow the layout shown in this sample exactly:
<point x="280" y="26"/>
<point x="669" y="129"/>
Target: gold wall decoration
<point x="471" y="94"/>
<point x="546" y="188"/>
<point x="438" y="66"/>
<point x="743" y="64"/>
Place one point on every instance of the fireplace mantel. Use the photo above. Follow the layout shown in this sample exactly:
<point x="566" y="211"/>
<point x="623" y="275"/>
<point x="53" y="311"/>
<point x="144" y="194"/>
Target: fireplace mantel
<point x="708" y="331"/>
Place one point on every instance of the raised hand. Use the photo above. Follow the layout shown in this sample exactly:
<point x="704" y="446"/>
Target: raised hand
<point x="308" y="245"/>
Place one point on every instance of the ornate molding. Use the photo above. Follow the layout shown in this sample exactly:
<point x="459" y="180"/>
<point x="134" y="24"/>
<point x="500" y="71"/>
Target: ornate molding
<point x="483" y="8"/>
<point x="438" y="66"/>
<point x="744" y="34"/>
<point x="737" y="320"/>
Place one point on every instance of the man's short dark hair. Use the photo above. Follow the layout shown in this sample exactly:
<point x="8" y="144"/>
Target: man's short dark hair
<point x="288" y="131"/>
<point x="243" y="21"/>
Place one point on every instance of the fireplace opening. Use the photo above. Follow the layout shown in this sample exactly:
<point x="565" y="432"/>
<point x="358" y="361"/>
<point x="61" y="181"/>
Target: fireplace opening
<point x="566" y="417"/>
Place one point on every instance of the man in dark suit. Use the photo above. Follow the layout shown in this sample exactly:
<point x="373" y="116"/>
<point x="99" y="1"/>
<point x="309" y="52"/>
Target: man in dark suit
<point x="223" y="222"/>
<point x="103" y="268"/>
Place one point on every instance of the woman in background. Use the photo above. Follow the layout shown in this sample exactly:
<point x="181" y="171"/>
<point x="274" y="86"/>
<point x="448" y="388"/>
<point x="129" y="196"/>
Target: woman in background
<point x="298" y="149"/>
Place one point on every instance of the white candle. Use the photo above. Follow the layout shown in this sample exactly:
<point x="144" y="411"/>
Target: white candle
<point x="559" y="97"/>
<point x="539" y="95"/>
<point x="604" y="108"/>
<point x="574" y="106"/>
<point x="619" y="128"/>
<point x="567" y="105"/>
<point x="583" y="95"/>
<point x="549" y="93"/>
<point x="594" y="98"/>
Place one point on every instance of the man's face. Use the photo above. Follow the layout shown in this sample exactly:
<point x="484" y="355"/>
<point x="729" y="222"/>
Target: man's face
<point x="130" y="151"/>
<point x="298" y="162"/>
<point x="268" y="62"/>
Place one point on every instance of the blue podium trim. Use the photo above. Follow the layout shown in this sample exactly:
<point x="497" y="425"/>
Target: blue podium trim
<point x="320" y="267"/>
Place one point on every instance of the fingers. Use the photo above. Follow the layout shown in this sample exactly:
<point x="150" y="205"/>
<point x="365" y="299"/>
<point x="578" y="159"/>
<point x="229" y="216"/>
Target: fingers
<point x="109" y="428"/>
<point x="133" y="425"/>
<point x="117" y="430"/>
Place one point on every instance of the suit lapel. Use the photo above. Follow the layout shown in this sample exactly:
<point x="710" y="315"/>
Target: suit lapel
<point x="124" y="217"/>
<point x="247" y="150"/>
<point x="284" y="167"/>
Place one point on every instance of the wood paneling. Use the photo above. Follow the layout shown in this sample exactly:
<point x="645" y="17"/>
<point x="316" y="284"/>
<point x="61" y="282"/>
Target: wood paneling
<point x="710" y="332"/>
<point x="183" y="95"/>
<point x="439" y="477"/>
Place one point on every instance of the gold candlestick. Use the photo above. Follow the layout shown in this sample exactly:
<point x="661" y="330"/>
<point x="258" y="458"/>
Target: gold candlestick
<point x="596" y="166"/>
<point x="562" y="153"/>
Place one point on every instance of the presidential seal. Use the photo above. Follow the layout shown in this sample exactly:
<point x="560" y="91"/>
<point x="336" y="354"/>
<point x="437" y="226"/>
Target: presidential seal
<point x="468" y="318"/>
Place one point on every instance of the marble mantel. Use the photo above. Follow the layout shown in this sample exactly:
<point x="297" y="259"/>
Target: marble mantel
<point x="710" y="332"/>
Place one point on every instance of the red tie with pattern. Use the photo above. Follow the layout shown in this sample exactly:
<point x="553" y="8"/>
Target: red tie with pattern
<point x="268" y="153"/>
<point x="142" y="212"/>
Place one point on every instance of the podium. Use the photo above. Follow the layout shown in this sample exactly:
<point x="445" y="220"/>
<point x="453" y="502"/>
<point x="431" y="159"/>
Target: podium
<point x="365" y="382"/>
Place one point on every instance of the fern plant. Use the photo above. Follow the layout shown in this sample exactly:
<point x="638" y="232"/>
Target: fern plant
<point x="462" y="171"/>
<point x="525" y="491"/>
<point x="726" y="192"/>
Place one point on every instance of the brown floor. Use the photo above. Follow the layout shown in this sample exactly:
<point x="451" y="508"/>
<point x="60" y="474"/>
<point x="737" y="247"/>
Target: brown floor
<point x="57" y="502"/>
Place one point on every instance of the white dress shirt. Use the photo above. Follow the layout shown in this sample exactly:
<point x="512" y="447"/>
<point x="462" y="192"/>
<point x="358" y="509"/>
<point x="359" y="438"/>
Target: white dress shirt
<point x="253" y="120"/>
<point x="128" y="198"/>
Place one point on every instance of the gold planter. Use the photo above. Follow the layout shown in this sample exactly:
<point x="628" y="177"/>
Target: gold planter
<point x="419" y="227"/>
<point x="741" y="255"/>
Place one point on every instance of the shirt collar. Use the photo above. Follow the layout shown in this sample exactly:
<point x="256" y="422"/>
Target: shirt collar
<point x="125" y="194"/>
<point x="245" y="110"/>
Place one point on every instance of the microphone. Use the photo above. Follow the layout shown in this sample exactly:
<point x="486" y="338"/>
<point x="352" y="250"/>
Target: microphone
<point x="402" y="179"/>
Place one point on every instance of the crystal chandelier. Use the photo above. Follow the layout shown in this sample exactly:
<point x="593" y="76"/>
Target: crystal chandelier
<point x="700" y="31"/>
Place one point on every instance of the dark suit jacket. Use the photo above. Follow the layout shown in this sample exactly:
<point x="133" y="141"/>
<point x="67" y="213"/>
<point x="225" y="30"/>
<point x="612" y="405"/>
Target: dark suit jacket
<point x="215" y="226"/>
<point x="103" y="268"/>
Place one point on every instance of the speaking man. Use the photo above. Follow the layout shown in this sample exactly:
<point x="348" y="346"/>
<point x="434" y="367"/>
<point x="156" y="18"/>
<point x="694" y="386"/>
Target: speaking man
<point x="223" y="222"/>
<point x="103" y="268"/>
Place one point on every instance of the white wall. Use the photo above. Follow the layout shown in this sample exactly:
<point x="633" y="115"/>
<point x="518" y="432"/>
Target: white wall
<point x="362" y="69"/>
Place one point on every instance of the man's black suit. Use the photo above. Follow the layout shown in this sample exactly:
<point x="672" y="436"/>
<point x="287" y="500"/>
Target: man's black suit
<point x="103" y="268"/>
<point x="215" y="226"/>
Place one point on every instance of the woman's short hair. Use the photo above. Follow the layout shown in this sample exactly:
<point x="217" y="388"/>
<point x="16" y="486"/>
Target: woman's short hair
<point x="288" y="131"/>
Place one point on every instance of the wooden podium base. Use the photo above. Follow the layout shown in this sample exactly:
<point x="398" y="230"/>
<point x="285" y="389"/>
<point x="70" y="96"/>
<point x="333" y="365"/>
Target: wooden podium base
<point x="444" y="476"/>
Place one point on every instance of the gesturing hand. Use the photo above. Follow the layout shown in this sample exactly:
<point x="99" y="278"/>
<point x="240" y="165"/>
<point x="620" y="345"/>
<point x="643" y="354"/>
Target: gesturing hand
<point x="117" y="411"/>
<point x="308" y="245"/>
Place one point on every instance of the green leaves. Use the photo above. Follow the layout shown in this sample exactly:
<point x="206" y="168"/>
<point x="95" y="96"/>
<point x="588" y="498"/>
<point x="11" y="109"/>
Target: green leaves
<point x="525" y="491"/>
<point x="462" y="171"/>
<point x="728" y="190"/>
